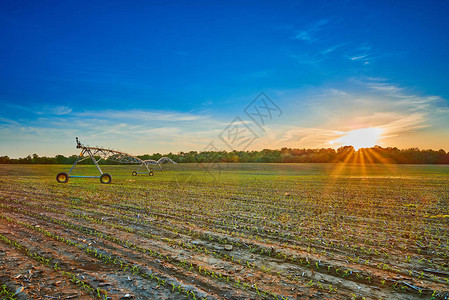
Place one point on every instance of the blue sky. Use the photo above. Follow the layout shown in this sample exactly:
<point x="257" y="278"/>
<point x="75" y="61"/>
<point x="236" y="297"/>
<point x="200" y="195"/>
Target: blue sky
<point x="169" y="76"/>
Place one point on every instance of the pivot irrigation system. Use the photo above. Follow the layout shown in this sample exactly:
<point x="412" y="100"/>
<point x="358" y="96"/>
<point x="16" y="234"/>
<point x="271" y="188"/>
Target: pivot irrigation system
<point x="121" y="157"/>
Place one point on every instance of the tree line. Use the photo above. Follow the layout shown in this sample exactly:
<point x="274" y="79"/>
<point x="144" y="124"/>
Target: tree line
<point x="374" y="154"/>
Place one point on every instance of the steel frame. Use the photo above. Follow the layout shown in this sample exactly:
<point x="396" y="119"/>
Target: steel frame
<point x="159" y="163"/>
<point x="90" y="152"/>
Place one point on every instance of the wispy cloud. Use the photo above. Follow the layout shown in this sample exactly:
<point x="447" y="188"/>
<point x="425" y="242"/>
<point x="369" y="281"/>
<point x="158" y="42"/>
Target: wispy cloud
<point x="308" y="137"/>
<point x="362" y="53"/>
<point x="400" y="97"/>
<point x="319" y="56"/>
<point x="309" y="33"/>
<point x="40" y="109"/>
<point x="141" y="115"/>
<point x="54" y="110"/>
<point x="333" y="48"/>
<point x="8" y="121"/>
<point x="313" y="119"/>
<point x="135" y="131"/>
<point x="322" y="116"/>
<point x="358" y="57"/>
<point x="387" y="106"/>
<point x="325" y="44"/>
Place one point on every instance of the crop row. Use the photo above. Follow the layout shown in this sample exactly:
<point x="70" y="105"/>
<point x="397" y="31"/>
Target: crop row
<point x="202" y="270"/>
<point x="49" y="262"/>
<point x="309" y="263"/>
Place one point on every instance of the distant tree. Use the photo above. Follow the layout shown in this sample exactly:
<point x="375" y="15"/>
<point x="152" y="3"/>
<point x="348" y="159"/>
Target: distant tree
<point x="374" y="154"/>
<point x="287" y="158"/>
<point x="60" y="159"/>
<point x="5" y="160"/>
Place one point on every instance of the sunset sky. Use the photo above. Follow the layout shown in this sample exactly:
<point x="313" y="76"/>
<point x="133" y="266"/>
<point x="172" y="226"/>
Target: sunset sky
<point x="170" y="76"/>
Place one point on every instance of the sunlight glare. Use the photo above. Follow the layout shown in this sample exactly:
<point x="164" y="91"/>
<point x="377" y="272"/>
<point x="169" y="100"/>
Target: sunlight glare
<point x="359" y="138"/>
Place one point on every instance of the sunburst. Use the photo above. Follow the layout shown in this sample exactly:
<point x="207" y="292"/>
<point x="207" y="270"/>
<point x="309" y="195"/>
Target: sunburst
<point x="359" y="138"/>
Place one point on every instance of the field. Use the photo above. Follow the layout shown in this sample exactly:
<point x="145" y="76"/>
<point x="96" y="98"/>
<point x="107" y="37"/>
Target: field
<point x="246" y="231"/>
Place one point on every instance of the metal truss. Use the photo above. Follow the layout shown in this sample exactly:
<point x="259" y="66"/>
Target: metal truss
<point x="148" y="162"/>
<point x="104" y="154"/>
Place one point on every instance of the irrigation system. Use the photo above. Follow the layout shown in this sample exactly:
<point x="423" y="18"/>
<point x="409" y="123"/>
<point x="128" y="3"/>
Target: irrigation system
<point x="98" y="154"/>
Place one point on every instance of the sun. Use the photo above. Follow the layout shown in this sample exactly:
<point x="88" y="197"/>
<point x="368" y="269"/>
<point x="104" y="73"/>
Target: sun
<point x="359" y="138"/>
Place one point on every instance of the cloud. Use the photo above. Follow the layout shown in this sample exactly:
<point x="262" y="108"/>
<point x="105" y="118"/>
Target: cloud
<point x="310" y="137"/>
<point x="384" y="105"/>
<point x="318" y="116"/>
<point x="54" y="110"/>
<point x="134" y="131"/>
<point x="358" y="57"/>
<point x="40" y="109"/>
<point x="333" y="48"/>
<point x="403" y="124"/>
<point x="399" y="97"/>
<point x="319" y="56"/>
<point x="313" y="118"/>
<point x="309" y="33"/>
<point x="362" y="53"/>
<point x="8" y="121"/>
<point x="141" y="115"/>
<point x="325" y="43"/>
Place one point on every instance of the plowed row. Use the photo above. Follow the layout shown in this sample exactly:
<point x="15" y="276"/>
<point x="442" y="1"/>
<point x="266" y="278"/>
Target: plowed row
<point x="248" y="232"/>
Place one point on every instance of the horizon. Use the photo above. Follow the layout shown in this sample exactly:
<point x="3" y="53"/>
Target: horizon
<point x="177" y="77"/>
<point x="360" y="150"/>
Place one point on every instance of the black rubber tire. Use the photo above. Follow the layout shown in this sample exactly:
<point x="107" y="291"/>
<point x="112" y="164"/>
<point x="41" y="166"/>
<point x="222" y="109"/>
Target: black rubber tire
<point x="62" y="177"/>
<point x="151" y="173"/>
<point x="134" y="173"/>
<point x="105" y="178"/>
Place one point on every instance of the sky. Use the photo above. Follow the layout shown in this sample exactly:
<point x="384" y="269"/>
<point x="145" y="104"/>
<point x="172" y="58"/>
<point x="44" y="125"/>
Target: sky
<point x="169" y="76"/>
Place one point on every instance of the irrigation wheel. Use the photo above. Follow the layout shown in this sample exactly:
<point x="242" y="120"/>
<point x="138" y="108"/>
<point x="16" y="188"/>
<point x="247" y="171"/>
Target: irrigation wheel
<point x="151" y="173"/>
<point x="105" y="178"/>
<point x="62" y="177"/>
<point x="134" y="173"/>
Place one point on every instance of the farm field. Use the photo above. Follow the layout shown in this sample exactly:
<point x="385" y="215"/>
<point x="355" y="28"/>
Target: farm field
<point x="244" y="231"/>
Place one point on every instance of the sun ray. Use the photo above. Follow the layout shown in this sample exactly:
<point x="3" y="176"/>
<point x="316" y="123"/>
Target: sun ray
<point x="361" y="154"/>
<point x="337" y="170"/>
<point x="368" y="156"/>
<point x="383" y="160"/>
